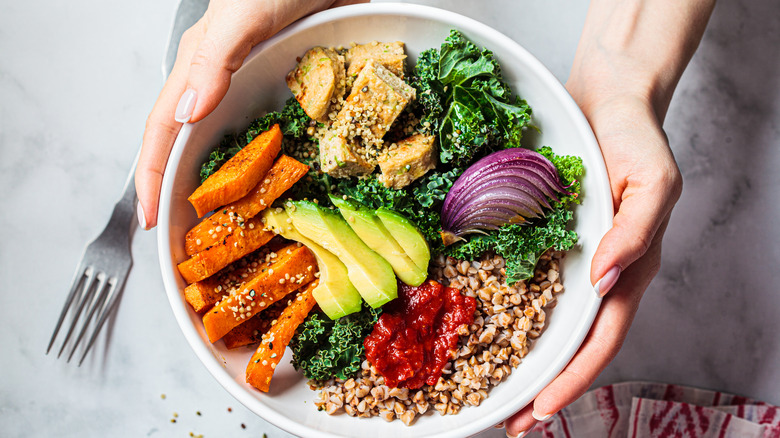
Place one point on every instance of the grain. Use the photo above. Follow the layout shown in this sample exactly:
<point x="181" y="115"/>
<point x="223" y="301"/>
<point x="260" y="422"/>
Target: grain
<point x="506" y="321"/>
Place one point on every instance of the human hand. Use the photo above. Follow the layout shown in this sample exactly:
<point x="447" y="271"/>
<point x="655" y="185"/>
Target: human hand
<point x="645" y="184"/>
<point x="209" y="53"/>
<point x="628" y="62"/>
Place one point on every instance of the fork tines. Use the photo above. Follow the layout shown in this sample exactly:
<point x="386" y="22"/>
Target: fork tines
<point x="91" y="290"/>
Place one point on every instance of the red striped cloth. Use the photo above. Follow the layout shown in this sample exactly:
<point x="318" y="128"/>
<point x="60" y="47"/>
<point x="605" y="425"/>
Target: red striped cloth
<point x="656" y="410"/>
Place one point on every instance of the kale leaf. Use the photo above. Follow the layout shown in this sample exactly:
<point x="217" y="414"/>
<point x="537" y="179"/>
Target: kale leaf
<point x="523" y="245"/>
<point x="291" y="119"/>
<point x="324" y="348"/>
<point x="420" y="202"/>
<point x="463" y="96"/>
<point x="429" y="101"/>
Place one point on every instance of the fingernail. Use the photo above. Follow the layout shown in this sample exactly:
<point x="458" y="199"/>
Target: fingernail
<point x="520" y="434"/>
<point x="141" y="216"/>
<point x="499" y="425"/>
<point x="185" y="106"/>
<point x="607" y="281"/>
<point x="540" y="417"/>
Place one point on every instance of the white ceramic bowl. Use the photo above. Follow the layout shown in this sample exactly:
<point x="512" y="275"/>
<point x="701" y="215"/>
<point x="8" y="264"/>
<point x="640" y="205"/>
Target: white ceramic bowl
<point x="259" y="87"/>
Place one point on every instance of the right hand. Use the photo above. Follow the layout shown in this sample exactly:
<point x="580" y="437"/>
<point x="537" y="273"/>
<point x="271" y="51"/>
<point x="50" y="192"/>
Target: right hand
<point x="209" y="53"/>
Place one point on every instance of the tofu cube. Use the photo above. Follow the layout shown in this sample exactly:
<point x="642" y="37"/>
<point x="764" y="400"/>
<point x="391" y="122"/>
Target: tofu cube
<point x="378" y="97"/>
<point x="339" y="159"/>
<point x="318" y="78"/>
<point x="390" y="55"/>
<point x="411" y="159"/>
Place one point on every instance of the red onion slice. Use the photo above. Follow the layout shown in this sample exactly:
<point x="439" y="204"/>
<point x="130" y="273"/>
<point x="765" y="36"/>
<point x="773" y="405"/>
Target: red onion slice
<point x="508" y="186"/>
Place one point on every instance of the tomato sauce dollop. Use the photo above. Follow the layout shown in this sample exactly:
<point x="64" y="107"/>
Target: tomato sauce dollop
<point x="412" y="340"/>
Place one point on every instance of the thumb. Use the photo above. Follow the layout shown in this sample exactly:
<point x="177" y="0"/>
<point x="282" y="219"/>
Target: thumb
<point x="232" y="30"/>
<point x="218" y="56"/>
<point x="645" y="203"/>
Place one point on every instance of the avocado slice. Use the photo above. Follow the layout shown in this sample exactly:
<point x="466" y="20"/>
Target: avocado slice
<point x="335" y="294"/>
<point x="373" y="233"/>
<point x="407" y="235"/>
<point x="371" y="275"/>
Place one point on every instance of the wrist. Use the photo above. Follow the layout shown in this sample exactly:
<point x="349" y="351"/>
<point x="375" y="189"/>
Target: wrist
<point x="637" y="49"/>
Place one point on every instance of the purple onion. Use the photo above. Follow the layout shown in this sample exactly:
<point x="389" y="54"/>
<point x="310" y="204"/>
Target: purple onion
<point x="507" y="186"/>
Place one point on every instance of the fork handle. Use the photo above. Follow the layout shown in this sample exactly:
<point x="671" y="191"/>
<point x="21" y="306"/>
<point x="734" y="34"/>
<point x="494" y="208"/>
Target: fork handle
<point x="124" y="209"/>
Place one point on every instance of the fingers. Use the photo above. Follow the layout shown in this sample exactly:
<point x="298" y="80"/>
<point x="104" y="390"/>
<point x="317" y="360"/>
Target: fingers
<point x="161" y="131"/>
<point x="646" y="184"/>
<point x="519" y="424"/>
<point x="209" y="53"/>
<point x="231" y="33"/>
<point x="226" y="42"/>
<point x="634" y="226"/>
<point x="606" y="335"/>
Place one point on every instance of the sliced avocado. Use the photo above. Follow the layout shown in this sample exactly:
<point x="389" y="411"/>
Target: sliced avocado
<point x="373" y="233"/>
<point x="371" y="275"/>
<point x="335" y="294"/>
<point x="407" y="235"/>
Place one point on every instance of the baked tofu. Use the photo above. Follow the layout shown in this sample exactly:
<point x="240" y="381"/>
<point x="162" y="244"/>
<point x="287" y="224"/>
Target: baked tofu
<point x="412" y="157"/>
<point x="378" y="97"/>
<point x="318" y="78"/>
<point x="390" y="55"/>
<point x="339" y="159"/>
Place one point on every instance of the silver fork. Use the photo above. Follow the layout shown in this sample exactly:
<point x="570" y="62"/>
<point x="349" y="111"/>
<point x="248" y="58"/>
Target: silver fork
<point x="100" y="275"/>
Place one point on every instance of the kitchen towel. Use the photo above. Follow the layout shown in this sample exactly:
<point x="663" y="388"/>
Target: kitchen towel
<point x="659" y="410"/>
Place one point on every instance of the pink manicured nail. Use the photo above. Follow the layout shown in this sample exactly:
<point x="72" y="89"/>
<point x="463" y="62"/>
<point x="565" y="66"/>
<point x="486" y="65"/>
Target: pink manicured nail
<point x="185" y="106"/>
<point x="540" y="417"/>
<point x="519" y="435"/>
<point x="141" y="216"/>
<point x="607" y="281"/>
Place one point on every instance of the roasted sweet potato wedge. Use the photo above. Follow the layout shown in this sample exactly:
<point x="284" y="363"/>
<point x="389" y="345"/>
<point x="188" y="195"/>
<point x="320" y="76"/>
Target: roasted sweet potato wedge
<point x="283" y="174"/>
<point x="252" y="331"/>
<point x="202" y="295"/>
<point x="211" y="260"/>
<point x="271" y="349"/>
<point x="239" y="174"/>
<point x="296" y="266"/>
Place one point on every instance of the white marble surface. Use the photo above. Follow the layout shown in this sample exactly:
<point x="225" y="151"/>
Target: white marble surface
<point x="77" y="80"/>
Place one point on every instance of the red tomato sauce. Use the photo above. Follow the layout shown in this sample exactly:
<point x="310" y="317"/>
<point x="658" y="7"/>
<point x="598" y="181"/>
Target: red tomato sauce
<point x="412" y="340"/>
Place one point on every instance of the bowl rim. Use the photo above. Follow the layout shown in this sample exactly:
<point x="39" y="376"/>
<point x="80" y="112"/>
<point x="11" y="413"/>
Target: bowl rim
<point x="466" y="24"/>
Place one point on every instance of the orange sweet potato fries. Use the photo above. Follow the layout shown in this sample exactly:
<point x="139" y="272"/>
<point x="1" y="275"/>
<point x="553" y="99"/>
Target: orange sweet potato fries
<point x="263" y="363"/>
<point x="248" y="286"/>
<point x="239" y="174"/>
<point x="283" y="174"/>
<point x="294" y="269"/>
<point x="236" y="245"/>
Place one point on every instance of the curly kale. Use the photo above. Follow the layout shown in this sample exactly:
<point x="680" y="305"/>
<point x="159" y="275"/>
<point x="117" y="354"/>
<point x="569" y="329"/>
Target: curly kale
<point x="430" y="98"/>
<point x="420" y="202"/>
<point x="522" y="245"/>
<point x="291" y="119"/>
<point x="463" y="96"/>
<point x="324" y="348"/>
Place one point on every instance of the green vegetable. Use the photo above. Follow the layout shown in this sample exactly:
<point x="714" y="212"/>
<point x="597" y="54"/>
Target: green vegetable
<point x="292" y="119"/>
<point x="324" y="348"/>
<point x="523" y="245"/>
<point x="463" y="83"/>
<point x="420" y="202"/>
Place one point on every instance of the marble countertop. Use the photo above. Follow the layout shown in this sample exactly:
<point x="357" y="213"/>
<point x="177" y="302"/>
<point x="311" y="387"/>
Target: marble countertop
<point x="77" y="80"/>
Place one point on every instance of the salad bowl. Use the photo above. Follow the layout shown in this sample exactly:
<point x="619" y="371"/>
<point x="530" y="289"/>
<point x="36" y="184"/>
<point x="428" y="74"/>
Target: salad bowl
<point x="259" y="86"/>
